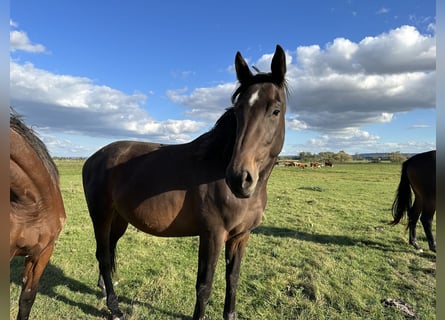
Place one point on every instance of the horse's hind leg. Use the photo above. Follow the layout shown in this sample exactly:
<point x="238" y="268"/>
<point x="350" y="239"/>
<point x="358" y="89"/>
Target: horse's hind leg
<point x="427" y="222"/>
<point x="413" y="218"/>
<point x="34" y="267"/>
<point x="102" y="231"/>
<point x="118" y="228"/>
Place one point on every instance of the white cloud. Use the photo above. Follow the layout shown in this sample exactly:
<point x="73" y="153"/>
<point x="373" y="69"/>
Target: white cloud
<point x="19" y="40"/>
<point x="431" y="27"/>
<point x="293" y="123"/>
<point x="205" y="103"/>
<point x="336" y="140"/>
<point x="420" y="126"/>
<point x="383" y="10"/>
<point x="355" y="140"/>
<point x="399" y="51"/>
<point x="77" y="105"/>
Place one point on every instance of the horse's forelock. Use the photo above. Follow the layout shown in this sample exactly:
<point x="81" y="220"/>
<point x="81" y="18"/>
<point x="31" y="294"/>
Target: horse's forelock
<point x="258" y="78"/>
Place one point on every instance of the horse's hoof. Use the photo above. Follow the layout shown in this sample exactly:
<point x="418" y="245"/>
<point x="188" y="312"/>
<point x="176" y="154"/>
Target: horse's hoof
<point x="416" y="246"/>
<point x="230" y="316"/>
<point x="119" y="316"/>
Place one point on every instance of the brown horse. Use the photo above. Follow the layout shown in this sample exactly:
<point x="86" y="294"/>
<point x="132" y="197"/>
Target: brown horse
<point x="418" y="174"/>
<point x="36" y="214"/>
<point x="213" y="187"/>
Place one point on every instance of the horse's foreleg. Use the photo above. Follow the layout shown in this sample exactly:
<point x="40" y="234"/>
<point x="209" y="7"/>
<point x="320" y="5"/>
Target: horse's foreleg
<point x="33" y="270"/>
<point x="209" y="249"/>
<point x="413" y="218"/>
<point x="235" y="248"/>
<point x="427" y="222"/>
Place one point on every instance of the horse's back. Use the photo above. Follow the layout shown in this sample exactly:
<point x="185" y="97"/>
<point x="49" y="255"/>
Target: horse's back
<point x="421" y="170"/>
<point x="117" y="153"/>
<point x="101" y="163"/>
<point x="147" y="184"/>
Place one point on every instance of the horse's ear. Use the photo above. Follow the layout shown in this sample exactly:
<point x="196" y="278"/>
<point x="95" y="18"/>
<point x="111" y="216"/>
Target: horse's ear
<point x="278" y="65"/>
<point x="243" y="72"/>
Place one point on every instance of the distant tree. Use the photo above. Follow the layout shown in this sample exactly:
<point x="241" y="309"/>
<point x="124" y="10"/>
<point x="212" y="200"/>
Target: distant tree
<point x="325" y="156"/>
<point x="342" y="156"/>
<point x="357" y="156"/>
<point x="306" y="156"/>
<point x="396" y="157"/>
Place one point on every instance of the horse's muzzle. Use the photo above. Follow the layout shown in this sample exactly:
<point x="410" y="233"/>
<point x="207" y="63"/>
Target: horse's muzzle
<point x="242" y="183"/>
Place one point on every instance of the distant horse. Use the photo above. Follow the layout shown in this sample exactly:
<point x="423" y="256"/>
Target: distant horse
<point x="36" y="214"/>
<point x="328" y="163"/>
<point x="418" y="173"/>
<point x="213" y="187"/>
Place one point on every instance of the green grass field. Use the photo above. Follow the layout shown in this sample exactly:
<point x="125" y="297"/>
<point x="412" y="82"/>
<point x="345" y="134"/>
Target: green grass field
<point x="324" y="251"/>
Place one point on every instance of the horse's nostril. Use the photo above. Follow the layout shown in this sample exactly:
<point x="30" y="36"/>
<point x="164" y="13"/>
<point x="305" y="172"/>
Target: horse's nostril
<point x="246" y="179"/>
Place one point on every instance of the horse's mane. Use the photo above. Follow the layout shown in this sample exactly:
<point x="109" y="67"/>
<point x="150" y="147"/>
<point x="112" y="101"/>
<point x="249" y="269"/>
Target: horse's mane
<point x="16" y="123"/>
<point x="219" y="141"/>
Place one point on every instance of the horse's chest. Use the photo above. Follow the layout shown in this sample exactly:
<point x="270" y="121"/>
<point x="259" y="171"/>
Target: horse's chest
<point x="234" y="213"/>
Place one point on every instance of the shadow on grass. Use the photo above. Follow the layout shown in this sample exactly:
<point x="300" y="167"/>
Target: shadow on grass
<point x="53" y="276"/>
<point x="328" y="239"/>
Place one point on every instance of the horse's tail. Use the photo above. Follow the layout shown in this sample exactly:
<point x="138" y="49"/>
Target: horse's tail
<point x="113" y="259"/>
<point x="402" y="202"/>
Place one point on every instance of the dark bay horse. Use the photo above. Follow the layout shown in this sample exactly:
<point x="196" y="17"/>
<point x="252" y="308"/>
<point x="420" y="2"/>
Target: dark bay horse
<point x="213" y="187"/>
<point x="37" y="213"/>
<point x="418" y="174"/>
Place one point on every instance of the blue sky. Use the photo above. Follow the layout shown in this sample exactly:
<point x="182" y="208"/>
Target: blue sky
<point x="361" y="73"/>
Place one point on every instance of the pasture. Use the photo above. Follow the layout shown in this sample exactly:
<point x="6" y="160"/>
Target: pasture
<point x="323" y="251"/>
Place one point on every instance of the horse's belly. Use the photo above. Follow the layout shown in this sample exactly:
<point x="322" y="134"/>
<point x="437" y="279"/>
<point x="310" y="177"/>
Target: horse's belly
<point x="167" y="214"/>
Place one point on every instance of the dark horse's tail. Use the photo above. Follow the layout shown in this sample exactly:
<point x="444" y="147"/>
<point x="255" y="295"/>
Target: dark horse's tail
<point x="402" y="202"/>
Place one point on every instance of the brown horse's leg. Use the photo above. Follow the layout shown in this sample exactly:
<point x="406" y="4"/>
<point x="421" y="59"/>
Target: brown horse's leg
<point x="235" y="248"/>
<point x="118" y="228"/>
<point x="427" y="221"/>
<point x="34" y="267"/>
<point x="103" y="256"/>
<point x="413" y="218"/>
<point x="210" y="246"/>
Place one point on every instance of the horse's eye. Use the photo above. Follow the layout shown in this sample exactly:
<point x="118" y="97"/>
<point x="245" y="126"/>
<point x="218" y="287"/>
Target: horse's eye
<point x="276" y="112"/>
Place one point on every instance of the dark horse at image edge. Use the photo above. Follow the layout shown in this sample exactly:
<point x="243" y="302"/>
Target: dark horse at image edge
<point x="418" y="174"/>
<point x="213" y="187"/>
<point x="37" y="213"/>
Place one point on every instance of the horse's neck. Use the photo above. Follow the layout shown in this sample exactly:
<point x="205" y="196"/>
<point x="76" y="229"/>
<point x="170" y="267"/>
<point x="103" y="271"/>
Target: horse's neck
<point x="215" y="145"/>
